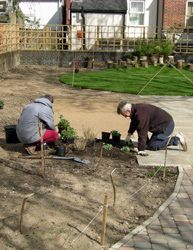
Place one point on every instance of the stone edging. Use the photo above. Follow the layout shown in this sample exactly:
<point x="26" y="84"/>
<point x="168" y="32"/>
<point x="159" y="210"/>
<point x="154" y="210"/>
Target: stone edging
<point x="156" y="214"/>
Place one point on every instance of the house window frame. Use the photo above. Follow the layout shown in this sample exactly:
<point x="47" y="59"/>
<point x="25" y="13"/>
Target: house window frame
<point x="140" y="12"/>
<point x="186" y="17"/>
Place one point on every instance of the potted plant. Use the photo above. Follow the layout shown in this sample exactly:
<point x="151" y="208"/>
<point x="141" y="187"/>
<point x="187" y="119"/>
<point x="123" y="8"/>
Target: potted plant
<point x="115" y="135"/>
<point x="68" y="135"/>
<point x="63" y="124"/>
<point x="1" y="104"/>
<point x="89" y="136"/>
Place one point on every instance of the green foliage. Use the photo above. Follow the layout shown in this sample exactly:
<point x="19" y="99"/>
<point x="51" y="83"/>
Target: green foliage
<point x="63" y="123"/>
<point x="125" y="149"/>
<point x="145" y="48"/>
<point x="107" y="147"/>
<point x="115" y="133"/>
<point x="68" y="133"/>
<point x="167" y="48"/>
<point x="1" y="103"/>
<point x="150" y="174"/>
<point x="150" y="47"/>
<point x="129" y="55"/>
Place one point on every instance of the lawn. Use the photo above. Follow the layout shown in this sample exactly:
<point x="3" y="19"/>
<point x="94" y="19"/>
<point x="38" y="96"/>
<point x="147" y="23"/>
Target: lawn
<point x="168" y="81"/>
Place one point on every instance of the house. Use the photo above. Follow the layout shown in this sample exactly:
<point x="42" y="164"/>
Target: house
<point x="94" y="20"/>
<point x="42" y="12"/>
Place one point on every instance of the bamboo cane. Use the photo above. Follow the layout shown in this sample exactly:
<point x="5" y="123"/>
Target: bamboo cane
<point x="114" y="188"/>
<point x="104" y="220"/>
<point x="42" y="148"/>
<point x="22" y="210"/>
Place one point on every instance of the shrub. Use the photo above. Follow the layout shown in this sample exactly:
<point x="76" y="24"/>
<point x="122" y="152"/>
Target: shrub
<point x="68" y="133"/>
<point x="63" y="123"/>
<point x="149" y="47"/>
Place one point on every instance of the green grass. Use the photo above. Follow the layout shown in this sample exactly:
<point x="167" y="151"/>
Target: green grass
<point x="168" y="82"/>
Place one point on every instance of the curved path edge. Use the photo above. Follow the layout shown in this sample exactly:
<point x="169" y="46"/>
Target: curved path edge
<point x="156" y="214"/>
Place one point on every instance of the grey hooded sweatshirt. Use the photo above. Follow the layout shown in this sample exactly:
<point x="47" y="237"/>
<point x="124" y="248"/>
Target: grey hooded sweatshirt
<point x="28" y="127"/>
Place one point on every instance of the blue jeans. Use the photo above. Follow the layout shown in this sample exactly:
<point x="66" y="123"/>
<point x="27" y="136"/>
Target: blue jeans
<point x="159" y="141"/>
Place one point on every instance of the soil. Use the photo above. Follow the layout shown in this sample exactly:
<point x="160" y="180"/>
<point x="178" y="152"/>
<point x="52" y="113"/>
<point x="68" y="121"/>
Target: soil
<point x="65" y="210"/>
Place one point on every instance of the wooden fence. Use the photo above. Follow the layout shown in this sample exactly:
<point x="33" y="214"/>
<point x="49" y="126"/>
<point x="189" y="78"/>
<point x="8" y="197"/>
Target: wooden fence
<point x="88" y="38"/>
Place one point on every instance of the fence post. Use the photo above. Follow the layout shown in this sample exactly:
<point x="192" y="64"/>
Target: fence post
<point x="97" y="41"/>
<point x="121" y="39"/>
<point x="144" y="33"/>
<point x="69" y="37"/>
<point x="47" y="37"/>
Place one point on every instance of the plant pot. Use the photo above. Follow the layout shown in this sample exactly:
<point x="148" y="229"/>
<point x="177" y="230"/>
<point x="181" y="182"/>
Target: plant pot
<point x="60" y="150"/>
<point x="105" y="136"/>
<point x="70" y="140"/>
<point x="116" y="138"/>
<point x="10" y="134"/>
<point x="90" y="143"/>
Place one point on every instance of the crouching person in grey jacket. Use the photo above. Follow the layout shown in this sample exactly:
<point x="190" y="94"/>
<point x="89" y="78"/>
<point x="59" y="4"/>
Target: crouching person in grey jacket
<point x="28" y="127"/>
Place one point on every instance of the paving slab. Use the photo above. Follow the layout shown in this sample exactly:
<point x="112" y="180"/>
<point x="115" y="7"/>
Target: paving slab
<point x="171" y="227"/>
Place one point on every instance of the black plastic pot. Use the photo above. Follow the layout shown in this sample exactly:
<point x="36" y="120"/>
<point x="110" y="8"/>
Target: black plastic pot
<point x="90" y="143"/>
<point x="60" y="150"/>
<point x="116" y="138"/>
<point x="10" y="134"/>
<point x="105" y="136"/>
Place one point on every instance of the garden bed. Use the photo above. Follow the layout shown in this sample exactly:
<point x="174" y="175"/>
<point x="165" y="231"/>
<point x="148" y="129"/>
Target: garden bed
<point x="71" y="194"/>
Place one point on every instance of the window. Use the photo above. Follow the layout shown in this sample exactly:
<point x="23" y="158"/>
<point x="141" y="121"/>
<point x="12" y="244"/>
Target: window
<point x="136" y="15"/>
<point x="189" y="16"/>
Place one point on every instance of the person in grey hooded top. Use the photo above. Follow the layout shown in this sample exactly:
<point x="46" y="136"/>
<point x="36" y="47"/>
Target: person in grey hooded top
<point x="28" y="127"/>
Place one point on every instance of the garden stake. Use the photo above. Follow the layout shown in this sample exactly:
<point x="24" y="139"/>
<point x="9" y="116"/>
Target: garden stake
<point x="164" y="173"/>
<point x="42" y="149"/>
<point x="104" y="220"/>
<point x="114" y="188"/>
<point x="101" y="154"/>
<point x="22" y="209"/>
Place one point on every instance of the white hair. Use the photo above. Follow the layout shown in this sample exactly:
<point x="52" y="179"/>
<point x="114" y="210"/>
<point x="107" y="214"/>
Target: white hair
<point x="126" y="107"/>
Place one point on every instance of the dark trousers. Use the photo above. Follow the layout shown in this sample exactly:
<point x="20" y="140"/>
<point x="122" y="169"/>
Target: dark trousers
<point x="159" y="141"/>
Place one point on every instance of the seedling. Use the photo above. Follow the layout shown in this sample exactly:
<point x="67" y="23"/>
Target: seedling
<point x="125" y="149"/>
<point x="107" y="147"/>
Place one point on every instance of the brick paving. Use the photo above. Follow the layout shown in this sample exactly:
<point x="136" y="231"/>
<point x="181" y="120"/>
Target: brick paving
<point x="171" y="227"/>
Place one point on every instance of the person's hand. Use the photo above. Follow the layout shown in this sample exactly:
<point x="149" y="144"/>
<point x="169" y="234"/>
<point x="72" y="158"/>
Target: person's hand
<point x="128" y="138"/>
<point x="142" y="153"/>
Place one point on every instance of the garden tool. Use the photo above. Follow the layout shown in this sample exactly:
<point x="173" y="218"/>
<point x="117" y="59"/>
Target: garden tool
<point x="56" y="158"/>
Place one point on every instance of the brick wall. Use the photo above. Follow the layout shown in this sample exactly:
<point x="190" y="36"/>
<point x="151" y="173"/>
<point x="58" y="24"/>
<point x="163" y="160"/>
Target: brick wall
<point x="174" y="12"/>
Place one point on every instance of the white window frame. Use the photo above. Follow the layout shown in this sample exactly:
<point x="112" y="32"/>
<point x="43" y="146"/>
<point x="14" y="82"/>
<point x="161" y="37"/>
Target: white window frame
<point x="143" y="12"/>
<point x="186" y="17"/>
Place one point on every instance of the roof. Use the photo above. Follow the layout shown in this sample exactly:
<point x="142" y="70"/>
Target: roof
<point x="100" y="6"/>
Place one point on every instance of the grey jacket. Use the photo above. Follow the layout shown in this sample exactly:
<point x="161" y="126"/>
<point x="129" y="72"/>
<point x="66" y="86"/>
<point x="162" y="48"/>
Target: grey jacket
<point x="28" y="127"/>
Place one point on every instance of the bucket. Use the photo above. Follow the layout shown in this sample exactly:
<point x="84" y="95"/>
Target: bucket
<point x="60" y="150"/>
<point x="10" y="134"/>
